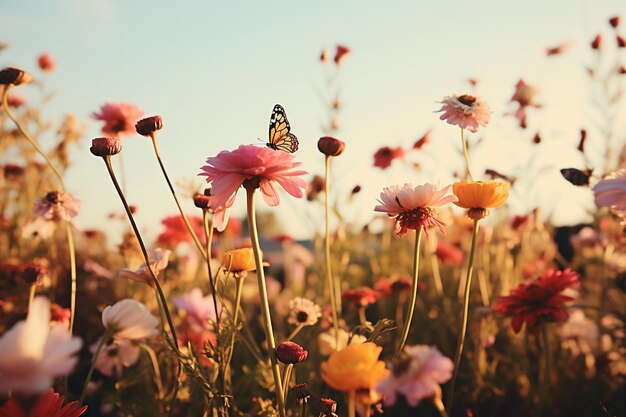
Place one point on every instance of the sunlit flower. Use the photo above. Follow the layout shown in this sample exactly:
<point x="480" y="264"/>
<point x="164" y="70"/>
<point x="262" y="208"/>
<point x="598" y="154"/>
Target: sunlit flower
<point x="413" y="207"/>
<point x="303" y="311"/>
<point x="252" y="166"/>
<point x="328" y="343"/>
<point x="117" y="354"/>
<point x="221" y="215"/>
<point x="466" y="111"/>
<point x="104" y="147"/>
<point x="330" y="146"/>
<point x="239" y="261"/>
<point x="49" y="404"/>
<point x="354" y="367"/>
<point x="340" y="53"/>
<point x="56" y="206"/>
<point x="158" y="262"/>
<point x="33" y="353"/>
<point x="119" y="118"/>
<point x="362" y="296"/>
<point x="175" y="231"/>
<point x="611" y="192"/>
<point x="416" y="374"/>
<point x="539" y="300"/>
<point x="46" y="63"/>
<point x="524" y="96"/>
<point x="478" y="196"/>
<point x="199" y="308"/>
<point x="386" y="155"/>
<point x="149" y="125"/>
<point x="449" y="254"/>
<point x="130" y="320"/>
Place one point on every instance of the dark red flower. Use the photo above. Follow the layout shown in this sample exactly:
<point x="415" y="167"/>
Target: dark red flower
<point x="290" y="353"/>
<point x="596" y="43"/>
<point x="539" y="300"/>
<point x="50" y="404"/>
<point x="316" y="187"/>
<point x="422" y="141"/>
<point x="614" y="21"/>
<point x="341" y="51"/>
<point x="386" y="155"/>
<point x="621" y="43"/>
<point x="362" y="296"/>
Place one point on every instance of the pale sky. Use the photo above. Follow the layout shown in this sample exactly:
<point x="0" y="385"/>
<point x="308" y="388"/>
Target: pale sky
<point x="214" y="70"/>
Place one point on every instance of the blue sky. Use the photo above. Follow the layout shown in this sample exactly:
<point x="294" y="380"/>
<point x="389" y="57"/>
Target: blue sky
<point x="214" y="70"/>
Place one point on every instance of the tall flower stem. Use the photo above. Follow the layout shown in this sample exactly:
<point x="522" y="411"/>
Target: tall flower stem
<point x="463" y="326"/>
<point x="103" y="341"/>
<point x="335" y="299"/>
<point x="352" y="403"/>
<point x="180" y="209"/>
<point x="70" y="245"/>
<point x="466" y="155"/>
<point x="30" y="139"/>
<point x="31" y="294"/>
<point x="434" y="262"/>
<point x="265" y="306"/>
<point x="406" y="327"/>
<point x="155" y="281"/>
<point x="155" y="366"/>
<point x="295" y="331"/>
<point x="547" y="369"/>
<point x="287" y="378"/>
<point x="208" y="234"/>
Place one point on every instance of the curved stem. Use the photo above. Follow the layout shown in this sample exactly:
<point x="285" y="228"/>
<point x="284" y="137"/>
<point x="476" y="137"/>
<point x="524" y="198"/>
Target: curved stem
<point x="155" y="281"/>
<point x="265" y="307"/>
<point x="463" y="325"/>
<point x="155" y="367"/>
<point x="70" y="245"/>
<point x="206" y="255"/>
<point x="406" y="327"/>
<point x="466" y="155"/>
<point x="334" y="300"/>
<point x="29" y="138"/>
<point x="295" y="331"/>
<point x="103" y="341"/>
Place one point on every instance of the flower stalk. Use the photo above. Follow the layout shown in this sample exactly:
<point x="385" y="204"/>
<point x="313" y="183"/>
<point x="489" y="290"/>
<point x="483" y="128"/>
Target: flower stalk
<point x="406" y="327"/>
<point x="103" y="341"/>
<point x="547" y="369"/>
<point x="335" y="299"/>
<point x="468" y="169"/>
<point x="70" y="245"/>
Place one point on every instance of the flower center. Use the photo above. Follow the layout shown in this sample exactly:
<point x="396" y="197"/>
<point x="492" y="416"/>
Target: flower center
<point x="302" y="316"/>
<point x="467" y="99"/>
<point x="401" y="365"/>
<point x="416" y="218"/>
<point x="53" y="197"/>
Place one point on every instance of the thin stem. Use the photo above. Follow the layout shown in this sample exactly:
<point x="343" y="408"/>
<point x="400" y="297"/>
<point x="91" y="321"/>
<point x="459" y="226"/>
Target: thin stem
<point x="155" y="367"/>
<point x="466" y="155"/>
<point x="439" y="405"/>
<point x="155" y="281"/>
<point x="287" y="378"/>
<point x="406" y="327"/>
<point x="265" y="306"/>
<point x="31" y="294"/>
<point x="362" y="318"/>
<point x="434" y="263"/>
<point x="295" y="331"/>
<point x="70" y="245"/>
<point x="352" y="403"/>
<point x="463" y="326"/>
<point x="29" y="138"/>
<point x="206" y="255"/>
<point x="103" y="341"/>
<point x="546" y="370"/>
<point x="208" y="234"/>
<point x="304" y="409"/>
<point x="334" y="302"/>
<point x="238" y="292"/>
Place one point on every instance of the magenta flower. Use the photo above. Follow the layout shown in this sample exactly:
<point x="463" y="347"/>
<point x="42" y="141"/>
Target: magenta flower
<point x="465" y="111"/>
<point x="611" y="192"/>
<point x="252" y="166"/>
<point x="119" y="118"/>
<point x="412" y="207"/>
<point x="199" y="308"/>
<point x="416" y="375"/>
<point x="56" y="206"/>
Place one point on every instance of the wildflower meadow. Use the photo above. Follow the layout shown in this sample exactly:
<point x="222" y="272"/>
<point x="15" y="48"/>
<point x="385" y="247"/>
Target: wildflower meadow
<point x="277" y="286"/>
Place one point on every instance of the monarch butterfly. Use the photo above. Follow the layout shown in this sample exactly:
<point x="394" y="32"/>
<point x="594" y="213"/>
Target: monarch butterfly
<point x="279" y="137"/>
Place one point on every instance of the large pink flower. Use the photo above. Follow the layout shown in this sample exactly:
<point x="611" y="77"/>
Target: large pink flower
<point x="119" y="118"/>
<point x="611" y="192"/>
<point x="465" y="111"/>
<point x="230" y="169"/>
<point x="412" y="207"/>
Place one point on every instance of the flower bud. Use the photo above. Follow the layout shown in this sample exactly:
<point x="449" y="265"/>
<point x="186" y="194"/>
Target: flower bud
<point x="301" y="392"/>
<point x="14" y="76"/>
<point x="290" y="353"/>
<point x="614" y="21"/>
<point x="330" y="146"/>
<point x="597" y="42"/>
<point x="149" y="125"/>
<point x="46" y="63"/>
<point x="105" y="146"/>
<point x="621" y="42"/>
<point x="33" y="272"/>
<point x="201" y="201"/>
<point x="328" y="406"/>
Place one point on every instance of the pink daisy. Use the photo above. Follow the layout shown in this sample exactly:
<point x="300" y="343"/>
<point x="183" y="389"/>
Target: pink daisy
<point x="119" y="118"/>
<point x="413" y="207"/>
<point x="252" y="166"/>
<point x="466" y="111"/>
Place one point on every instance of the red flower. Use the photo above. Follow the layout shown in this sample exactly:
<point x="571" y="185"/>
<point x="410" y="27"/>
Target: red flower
<point x="538" y="301"/>
<point x="176" y="232"/>
<point x="449" y="254"/>
<point x="119" y="118"/>
<point x="386" y="155"/>
<point x="362" y="296"/>
<point x="49" y="404"/>
<point x="422" y="141"/>
<point x="342" y="51"/>
<point x="46" y="63"/>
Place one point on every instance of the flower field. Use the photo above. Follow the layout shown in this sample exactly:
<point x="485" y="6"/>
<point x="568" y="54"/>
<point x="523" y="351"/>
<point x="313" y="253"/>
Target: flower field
<point x="446" y="302"/>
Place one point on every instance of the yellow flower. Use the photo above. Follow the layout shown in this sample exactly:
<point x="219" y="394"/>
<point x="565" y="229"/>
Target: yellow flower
<point x="354" y="367"/>
<point x="478" y="196"/>
<point x="239" y="260"/>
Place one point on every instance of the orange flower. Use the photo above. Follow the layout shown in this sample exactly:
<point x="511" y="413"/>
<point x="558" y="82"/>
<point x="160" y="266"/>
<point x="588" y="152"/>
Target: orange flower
<point x="354" y="367"/>
<point x="478" y="196"/>
<point x="239" y="260"/>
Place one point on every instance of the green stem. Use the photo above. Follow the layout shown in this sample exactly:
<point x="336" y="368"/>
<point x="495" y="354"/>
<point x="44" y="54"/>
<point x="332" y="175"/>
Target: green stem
<point x="206" y="255"/>
<point x="463" y="326"/>
<point x="208" y="233"/>
<point x="466" y="155"/>
<point x="70" y="245"/>
<point x="265" y="307"/>
<point x="335" y="299"/>
<point x="155" y="281"/>
<point x="238" y="291"/>
<point x="411" y="307"/>
<point x="103" y="341"/>
<point x="29" y="138"/>
<point x="546" y="370"/>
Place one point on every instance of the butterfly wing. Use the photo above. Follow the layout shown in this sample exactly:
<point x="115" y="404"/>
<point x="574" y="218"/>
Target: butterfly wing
<point x="279" y="137"/>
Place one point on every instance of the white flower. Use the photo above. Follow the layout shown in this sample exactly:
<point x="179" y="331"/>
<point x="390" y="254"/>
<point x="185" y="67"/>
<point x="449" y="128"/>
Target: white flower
<point x="328" y="343"/>
<point x="120" y="353"/>
<point x="129" y="319"/>
<point x="32" y="353"/>
<point x="303" y="311"/>
<point x="159" y="261"/>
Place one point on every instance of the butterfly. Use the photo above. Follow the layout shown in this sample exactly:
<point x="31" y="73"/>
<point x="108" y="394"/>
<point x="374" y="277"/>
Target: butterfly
<point x="279" y="137"/>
